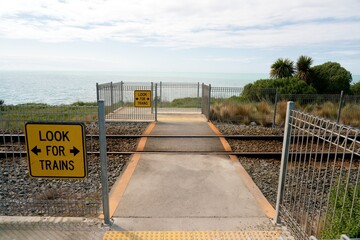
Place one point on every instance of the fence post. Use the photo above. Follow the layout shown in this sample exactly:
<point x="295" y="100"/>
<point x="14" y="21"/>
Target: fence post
<point x="198" y="90"/>
<point x="152" y="97"/>
<point x="97" y="91"/>
<point x="103" y="162"/>
<point x="209" y="101"/>
<point x="160" y="93"/>
<point x="275" y="105"/>
<point x="111" y="97"/>
<point x="340" y="107"/>
<point x="122" y="93"/>
<point x="202" y="98"/>
<point x="156" y="102"/>
<point x="284" y="161"/>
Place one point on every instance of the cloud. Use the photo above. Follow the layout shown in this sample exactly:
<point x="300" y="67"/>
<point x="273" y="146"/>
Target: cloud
<point x="184" y="24"/>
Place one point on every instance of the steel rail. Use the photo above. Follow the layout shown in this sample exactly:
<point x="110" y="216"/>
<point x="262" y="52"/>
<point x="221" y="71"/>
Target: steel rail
<point x="265" y="155"/>
<point x="21" y="137"/>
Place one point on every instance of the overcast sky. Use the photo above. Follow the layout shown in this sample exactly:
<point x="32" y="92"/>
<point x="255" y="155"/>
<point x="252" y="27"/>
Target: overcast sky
<point x="244" y="36"/>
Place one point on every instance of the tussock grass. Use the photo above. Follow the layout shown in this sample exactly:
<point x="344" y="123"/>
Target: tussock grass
<point x="326" y="110"/>
<point x="262" y="113"/>
<point x="245" y="113"/>
<point x="350" y="115"/>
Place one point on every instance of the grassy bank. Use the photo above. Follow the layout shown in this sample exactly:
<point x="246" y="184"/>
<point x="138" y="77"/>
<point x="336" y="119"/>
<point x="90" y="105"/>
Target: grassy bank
<point x="14" y="116"/>
<point x="262" y="113"/>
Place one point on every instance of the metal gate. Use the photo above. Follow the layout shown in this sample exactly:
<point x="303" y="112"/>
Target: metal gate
<point x="119" y="101"/>
<point x="167" y="98"/>
<point x="179" y="97"/>
<point x="319" y="190"/>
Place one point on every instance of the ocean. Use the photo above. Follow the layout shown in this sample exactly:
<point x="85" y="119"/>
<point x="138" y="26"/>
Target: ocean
<point x="64" y="87"/>
<point x="58" y="87"/>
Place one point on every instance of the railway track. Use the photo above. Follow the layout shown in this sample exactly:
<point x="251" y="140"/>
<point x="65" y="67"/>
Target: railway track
<point x="14" y="146"/>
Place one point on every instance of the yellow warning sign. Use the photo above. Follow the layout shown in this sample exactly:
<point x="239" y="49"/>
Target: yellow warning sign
<point x="56" y="150"/>
<point x="142" y="98"/>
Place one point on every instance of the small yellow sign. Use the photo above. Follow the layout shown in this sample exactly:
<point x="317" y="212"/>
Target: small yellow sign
<point x="142" y="98"/>
<point x="56" y="150"/>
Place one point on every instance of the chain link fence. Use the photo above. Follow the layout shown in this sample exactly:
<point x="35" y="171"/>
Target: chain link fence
<point x="22" y="195"/>
<point x="319" y="190"/>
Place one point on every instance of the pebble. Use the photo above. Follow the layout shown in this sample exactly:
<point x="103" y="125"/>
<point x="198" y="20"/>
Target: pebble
<point x="49" y="197"/>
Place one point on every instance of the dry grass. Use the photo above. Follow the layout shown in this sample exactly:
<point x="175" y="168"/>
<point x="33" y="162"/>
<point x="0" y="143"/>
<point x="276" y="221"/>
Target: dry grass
<point x="350" y="115"/>
<point x="262" y="113"/>
<point x="245" y="113"/>
<point x="281" y="113"/>
<point x="325" y="110"/>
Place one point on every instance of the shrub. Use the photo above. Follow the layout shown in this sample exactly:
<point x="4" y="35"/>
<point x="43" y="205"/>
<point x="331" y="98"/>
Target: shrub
<point x="80" y="103"/>
<point x="355" y="88"/>
<point x="343" y="215"/>
<point x="331" y="77"/>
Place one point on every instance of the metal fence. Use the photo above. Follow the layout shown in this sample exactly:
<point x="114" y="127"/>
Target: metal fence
<point x="267" y="107"/>
<point x="166" y="98"/>
<point x="205" y="104"/>
<point x="22" y="195"/>
<point x="119" y="101"/>
<point x="319" y="191"/>
<point x="179" y="97"/>
<point x="222" y="93"/>
<point x="230" y="104"/>
<point x="258" y="106"/>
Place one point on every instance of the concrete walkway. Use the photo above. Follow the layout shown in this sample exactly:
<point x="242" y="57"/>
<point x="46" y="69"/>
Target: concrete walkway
<point x="169" y="195"/>
<point x="188" y="192"/>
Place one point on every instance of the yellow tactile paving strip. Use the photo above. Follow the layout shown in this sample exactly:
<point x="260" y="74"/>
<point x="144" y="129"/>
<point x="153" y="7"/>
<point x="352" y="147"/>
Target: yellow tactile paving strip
<point x="192" y="235"/>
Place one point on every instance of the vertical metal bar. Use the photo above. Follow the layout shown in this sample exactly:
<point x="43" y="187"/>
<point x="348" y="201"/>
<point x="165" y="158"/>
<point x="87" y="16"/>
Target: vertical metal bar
<point x="198" y="96"/>
<point x="284" y="160"/>
<point x="202" y="98"/>
<point x="340" y="106"/>
<point x="156" y="102"/>
<point x="198" y="90"/>
<point x="209" y="101"/>
<point x="275" y="105"/>
<point x="111" y="97"/>
<point x="160" y="93"/>
<point x="103" y="162"/>
<point x="122" y="93"/>
<point x="152" y="96"/>
<point x="97" y="91"/>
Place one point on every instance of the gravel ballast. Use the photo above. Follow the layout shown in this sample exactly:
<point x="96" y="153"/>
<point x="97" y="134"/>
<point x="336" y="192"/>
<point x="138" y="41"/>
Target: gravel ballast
<point x="22" y="195"/>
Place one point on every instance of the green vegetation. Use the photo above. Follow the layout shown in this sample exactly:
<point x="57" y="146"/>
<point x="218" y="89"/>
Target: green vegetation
<point x="80" y="103"/>
<point x="355" y="88"/>
<point x="344" y="212"/>
<point x="1" y="104"/>
<point x="293" y="85"/>
<point x="303" y="68"/>
<point x="182" y="103"/>
<point x="14" y="116"/>
<point x="282" y="68"/>
<point x="327" y="78"/>
<point x="330" y="77"/>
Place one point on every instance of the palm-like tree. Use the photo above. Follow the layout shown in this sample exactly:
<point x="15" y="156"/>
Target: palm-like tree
<point x="282" y="68"/>
<point x="303" y="68"/>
